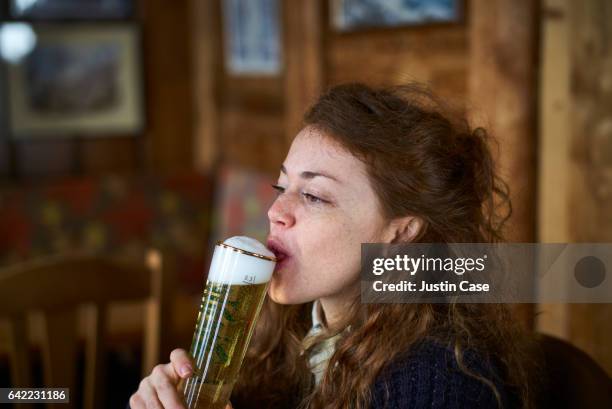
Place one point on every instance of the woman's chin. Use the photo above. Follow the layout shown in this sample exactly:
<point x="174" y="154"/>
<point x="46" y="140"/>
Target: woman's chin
<point x="277" y="294"/>
<point x="281" y="294"/>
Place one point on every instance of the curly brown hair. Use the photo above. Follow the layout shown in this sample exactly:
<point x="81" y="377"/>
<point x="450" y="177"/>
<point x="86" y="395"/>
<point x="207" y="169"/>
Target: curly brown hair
<point x="423" y="159"/>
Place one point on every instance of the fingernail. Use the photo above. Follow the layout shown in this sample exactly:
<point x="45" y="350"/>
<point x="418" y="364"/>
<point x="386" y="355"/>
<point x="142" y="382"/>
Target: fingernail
<point x="185" y="370"/>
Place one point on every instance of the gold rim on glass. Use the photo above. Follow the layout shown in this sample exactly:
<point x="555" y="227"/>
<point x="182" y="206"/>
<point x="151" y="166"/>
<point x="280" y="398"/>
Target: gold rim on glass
<point x="248" y="253"/>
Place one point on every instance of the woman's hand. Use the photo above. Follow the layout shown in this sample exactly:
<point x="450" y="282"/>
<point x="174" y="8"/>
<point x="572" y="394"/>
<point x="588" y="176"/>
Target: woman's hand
<point x="159" y="390"/>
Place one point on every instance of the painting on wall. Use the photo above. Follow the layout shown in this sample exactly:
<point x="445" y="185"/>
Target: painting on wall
<point x="252" y="38"/>
<point x="347" y="15"/>
<point x="71" y="9"/>
<point x="77" y="80"/>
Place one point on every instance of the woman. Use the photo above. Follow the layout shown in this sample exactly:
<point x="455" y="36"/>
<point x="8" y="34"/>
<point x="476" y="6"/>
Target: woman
<point x="386" y="166"/>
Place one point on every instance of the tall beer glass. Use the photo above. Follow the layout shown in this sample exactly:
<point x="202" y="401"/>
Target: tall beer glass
<point x="237" y="283"/>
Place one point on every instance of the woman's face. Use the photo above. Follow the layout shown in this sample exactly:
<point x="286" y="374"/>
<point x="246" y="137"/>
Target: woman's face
<point x="325" y="209"/>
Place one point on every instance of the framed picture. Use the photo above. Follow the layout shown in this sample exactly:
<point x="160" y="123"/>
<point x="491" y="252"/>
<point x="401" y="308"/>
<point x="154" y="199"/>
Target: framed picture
<point x="252" y="39"/>
<point x="71" y="9"/>
<point x="77" y="80"/>
<point x="350" y="15"/>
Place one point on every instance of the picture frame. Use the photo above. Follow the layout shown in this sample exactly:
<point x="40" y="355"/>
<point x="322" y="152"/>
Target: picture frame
<point x="78" y="80"/>
<point x="49" y="10"/>
<point x="352" y="15"/>
<point x="252" y="37"/>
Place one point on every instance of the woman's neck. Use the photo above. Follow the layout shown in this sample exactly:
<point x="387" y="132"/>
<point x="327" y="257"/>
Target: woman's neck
<point x="334" y="308"/>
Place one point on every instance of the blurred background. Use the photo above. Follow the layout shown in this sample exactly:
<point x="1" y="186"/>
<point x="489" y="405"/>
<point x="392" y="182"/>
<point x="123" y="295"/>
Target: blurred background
<point x="136" y="133"/>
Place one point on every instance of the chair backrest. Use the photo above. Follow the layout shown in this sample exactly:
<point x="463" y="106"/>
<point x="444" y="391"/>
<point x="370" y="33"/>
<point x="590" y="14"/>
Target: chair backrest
<point x="57" y="287"/>
<point x="573" y="379"/>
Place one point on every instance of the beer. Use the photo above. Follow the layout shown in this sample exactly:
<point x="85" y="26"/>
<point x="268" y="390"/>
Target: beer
<point x="237" y="283"/>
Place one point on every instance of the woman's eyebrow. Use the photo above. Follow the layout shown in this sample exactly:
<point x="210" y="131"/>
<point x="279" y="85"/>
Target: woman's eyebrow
<point x="310" y="175"/>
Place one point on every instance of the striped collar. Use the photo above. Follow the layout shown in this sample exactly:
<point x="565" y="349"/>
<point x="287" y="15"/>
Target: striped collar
<point x="320" y="354"/>
<point x="317" y="321"/>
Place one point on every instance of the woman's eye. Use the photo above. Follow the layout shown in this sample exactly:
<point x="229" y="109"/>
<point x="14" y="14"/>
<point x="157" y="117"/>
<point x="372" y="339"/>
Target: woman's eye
<point x="312" y="198"/>
<point x="279" y="189"/>
<point x="309" y="197"/>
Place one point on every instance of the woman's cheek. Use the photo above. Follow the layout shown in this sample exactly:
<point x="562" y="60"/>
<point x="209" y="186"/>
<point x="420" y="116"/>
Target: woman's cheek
<point x="279" y="291"/>
<point x="290" y="290"/>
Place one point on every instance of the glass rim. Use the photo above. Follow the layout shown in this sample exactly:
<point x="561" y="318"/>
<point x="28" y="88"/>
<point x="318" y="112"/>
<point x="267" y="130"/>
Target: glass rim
<point x="248" y="253"/>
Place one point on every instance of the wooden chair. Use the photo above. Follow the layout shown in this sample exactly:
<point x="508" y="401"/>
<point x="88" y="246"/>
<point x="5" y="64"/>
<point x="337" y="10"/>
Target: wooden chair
<point x="57" y="288"/>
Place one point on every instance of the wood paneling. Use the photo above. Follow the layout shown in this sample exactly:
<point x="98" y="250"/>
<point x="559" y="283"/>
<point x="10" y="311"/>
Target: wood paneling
<point x="256" y="118"/>
<point x="254" y="94"/>
<point x="576" y="152"/>
<point x="207" y="66"/>
<point x="437" y="55"/>
<point x="251" y="122"/>
<point x="590" y="194"/>
<point x="502" y="83"/>
<point x="239" y="118"/>
<point x="304" y="47"/>
<point x="554" y="147"/>
<point x="253" y="140"/>
<point x="167" y="59"/>
<point x="503" y="70"/>
<point x="109" y="155"/>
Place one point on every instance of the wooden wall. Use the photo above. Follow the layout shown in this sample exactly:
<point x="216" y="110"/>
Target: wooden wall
<point x="257" y="117"/>
<point x="503" y="98"/>
<point x="437" y="55"/>
<point x="166" y="142"/>
<point x="167" y="49"/>
<point x="238" y="119"/>
<point x="575" y="201"/>
<point x="590" y="326"/>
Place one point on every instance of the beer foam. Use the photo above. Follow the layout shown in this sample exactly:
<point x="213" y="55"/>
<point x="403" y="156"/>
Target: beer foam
<point x="249" y="244"/>
<point x="229" y="266"/>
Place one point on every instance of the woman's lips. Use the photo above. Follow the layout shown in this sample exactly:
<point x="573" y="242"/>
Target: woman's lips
<point x="282" y="263"/>
<point x="282" y="256"/>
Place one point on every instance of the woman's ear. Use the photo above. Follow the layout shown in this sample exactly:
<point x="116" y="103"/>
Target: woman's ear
<point x="406" y="229"/>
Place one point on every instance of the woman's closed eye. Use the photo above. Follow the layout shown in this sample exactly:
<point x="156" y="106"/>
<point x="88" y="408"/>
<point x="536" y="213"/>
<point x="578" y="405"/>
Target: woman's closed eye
<point x="279" y="189"/>
<point x="312" y="198"/>
<point x="308" y="196"/>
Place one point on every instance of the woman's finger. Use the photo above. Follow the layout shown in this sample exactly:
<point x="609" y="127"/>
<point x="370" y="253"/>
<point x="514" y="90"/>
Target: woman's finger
<point x="148" y="395"/>
<point x="167" y="393"/>
<point x="164" y="381"/>
<point x="136" y="402"/>
<point x="181" y="363"/>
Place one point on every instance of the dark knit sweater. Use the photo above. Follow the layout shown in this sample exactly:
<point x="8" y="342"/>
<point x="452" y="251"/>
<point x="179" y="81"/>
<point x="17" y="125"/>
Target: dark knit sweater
<point x="429" y="377"/>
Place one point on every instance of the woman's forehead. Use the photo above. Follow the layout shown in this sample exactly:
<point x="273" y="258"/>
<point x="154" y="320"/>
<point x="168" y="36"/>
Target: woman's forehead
<point x="312" y="151"/>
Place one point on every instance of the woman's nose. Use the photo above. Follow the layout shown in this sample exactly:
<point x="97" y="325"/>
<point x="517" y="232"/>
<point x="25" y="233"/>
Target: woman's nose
<point x="281" y="213"/>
